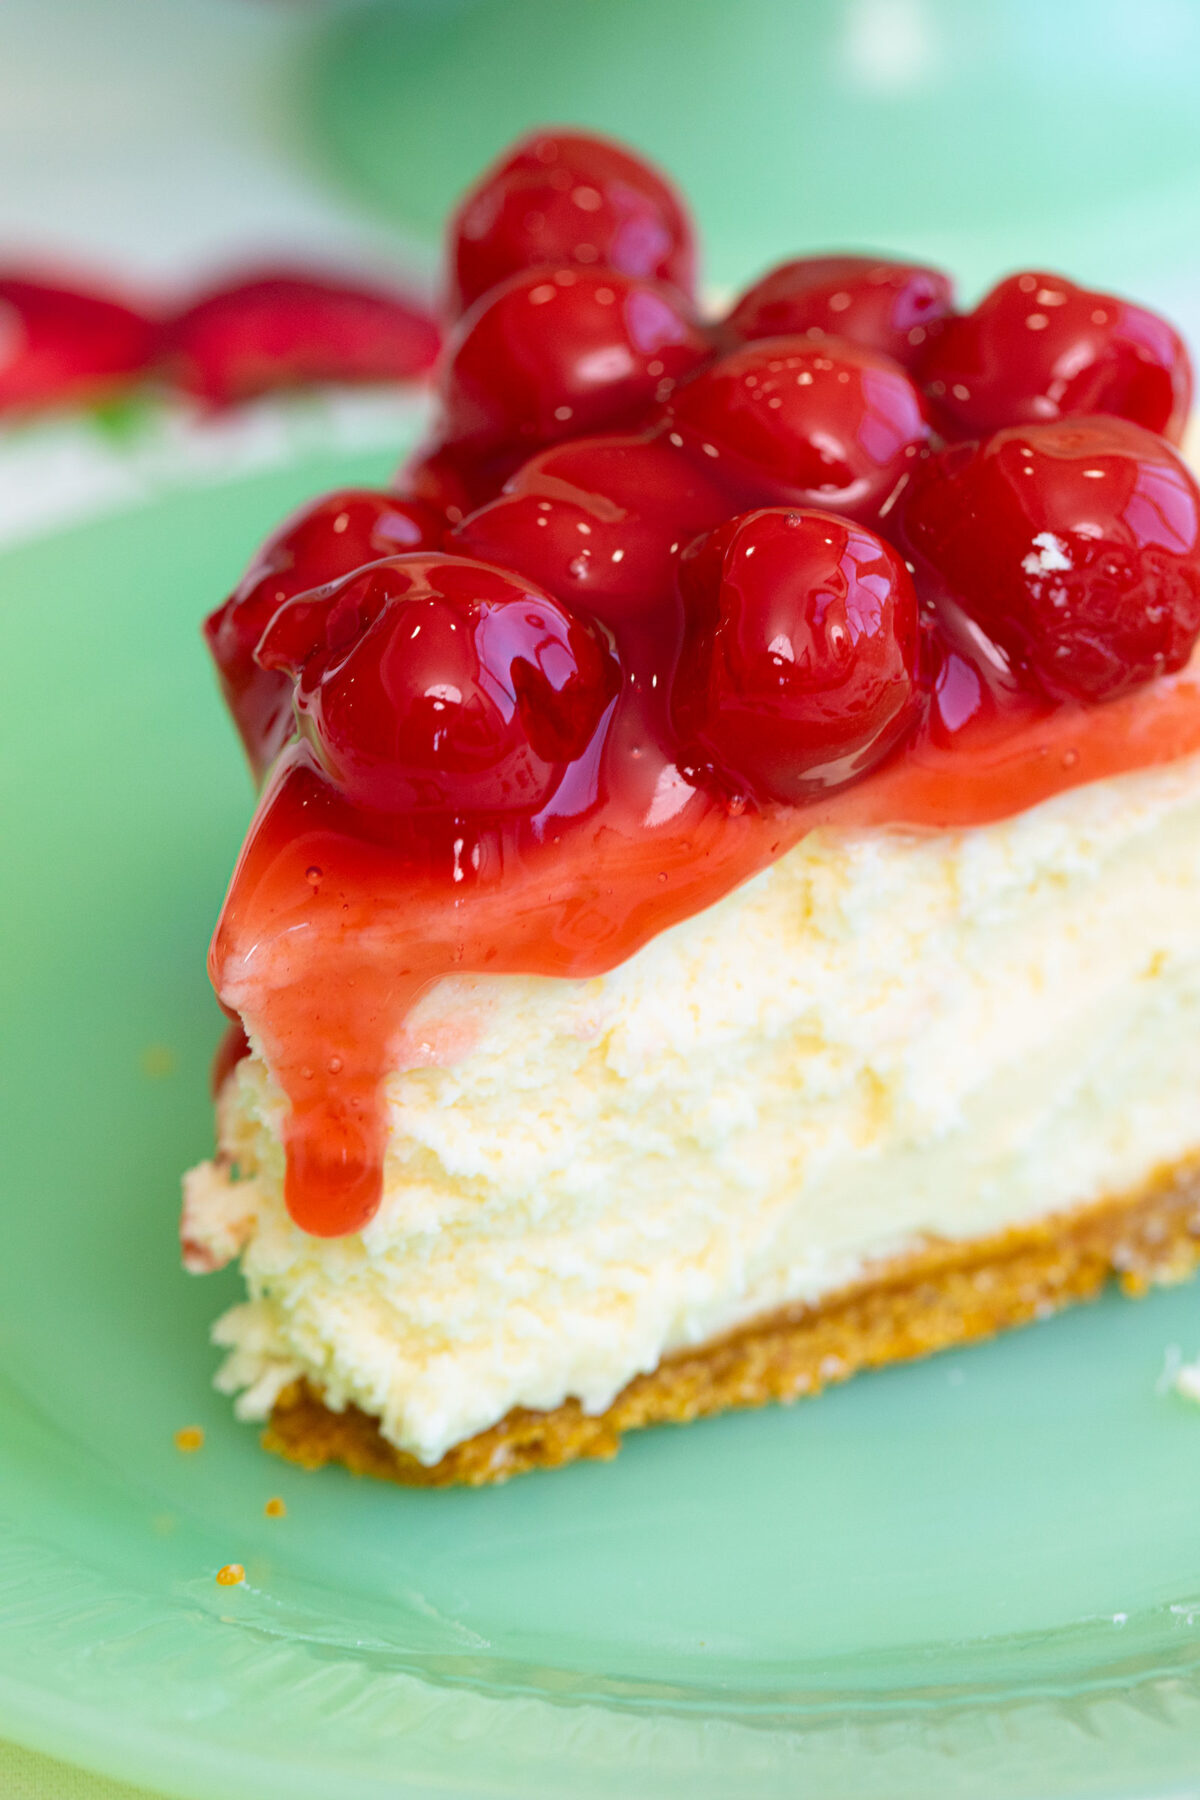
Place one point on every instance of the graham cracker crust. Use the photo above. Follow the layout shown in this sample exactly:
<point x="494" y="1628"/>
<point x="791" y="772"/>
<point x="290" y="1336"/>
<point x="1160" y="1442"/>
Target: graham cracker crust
<point x="941" y="1295"/>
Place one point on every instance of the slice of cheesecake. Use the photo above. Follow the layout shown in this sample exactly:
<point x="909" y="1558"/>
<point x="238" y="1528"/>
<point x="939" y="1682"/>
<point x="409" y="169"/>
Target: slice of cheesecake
<point x="723" y="907"/>
<point x="894" y="1092"/>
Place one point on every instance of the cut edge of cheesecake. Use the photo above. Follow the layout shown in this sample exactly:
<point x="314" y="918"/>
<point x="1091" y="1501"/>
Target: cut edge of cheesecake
<point x="934" y="1298"/>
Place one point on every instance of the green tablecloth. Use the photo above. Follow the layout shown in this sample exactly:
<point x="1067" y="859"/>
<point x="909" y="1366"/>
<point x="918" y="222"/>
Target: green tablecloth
<point x="24" y="1776"/>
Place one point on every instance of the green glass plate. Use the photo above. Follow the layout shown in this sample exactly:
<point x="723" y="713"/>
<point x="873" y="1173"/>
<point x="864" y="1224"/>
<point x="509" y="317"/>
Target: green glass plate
<point x="976" y="1576"/>
<point x="996" y="135"/>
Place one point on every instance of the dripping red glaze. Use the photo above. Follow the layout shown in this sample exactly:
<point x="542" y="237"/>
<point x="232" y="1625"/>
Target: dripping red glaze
<point x="339" y="915"/>
<point x="613" y="676"/>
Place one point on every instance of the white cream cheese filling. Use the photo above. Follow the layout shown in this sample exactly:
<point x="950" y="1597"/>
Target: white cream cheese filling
<point x="883" y="1037"/>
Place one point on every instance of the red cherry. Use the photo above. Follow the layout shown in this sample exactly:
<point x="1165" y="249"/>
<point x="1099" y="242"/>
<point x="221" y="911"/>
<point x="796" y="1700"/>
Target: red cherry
<point x="892" y="307"/>
<point x="1074" y="545"/>
<point x="453" y="481"/>
<point x="563" y="197"/>
<point x="802" y="668"/>
<point x="284" y="330"/>
<point x="1038" y="348"/>
<point x="325" y="540"/>
<point x="64" y="345"/>
<point x="441" y="685"/>
<point x="974" y="690"/>
<point x="831" y="425"/>
<point x="557" y="353"/>
<point x="599" y="522"/>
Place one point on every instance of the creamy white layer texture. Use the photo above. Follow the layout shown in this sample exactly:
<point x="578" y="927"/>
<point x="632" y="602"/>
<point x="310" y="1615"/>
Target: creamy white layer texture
<point x="885" y="1037"/>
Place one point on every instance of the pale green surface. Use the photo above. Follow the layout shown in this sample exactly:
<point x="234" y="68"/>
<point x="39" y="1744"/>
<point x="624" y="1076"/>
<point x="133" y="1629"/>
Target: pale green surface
<point x="986" y="134"/>
<point x="924" y="1567"/>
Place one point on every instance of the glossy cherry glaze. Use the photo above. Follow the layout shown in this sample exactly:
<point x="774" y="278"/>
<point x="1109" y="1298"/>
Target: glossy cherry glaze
<point x="893" y="307"/>
<point x="438" y="685"/>
<point x="285" y="329"/>
<point x="323" y="541"/>
<point x="599" y="522"/>
<point x="565" y="197"/>
<point x="787" y="421"/>
<point x="800" y="653"/>
<point x="555" y="353"/>
<point x="453" y="481"/>
<point x="537" y="767"/>
<point x="340" y="916"/>
<point x="1039" y="348"/>
<point x="1075" y="546"/>
<point x="66" y="345"/>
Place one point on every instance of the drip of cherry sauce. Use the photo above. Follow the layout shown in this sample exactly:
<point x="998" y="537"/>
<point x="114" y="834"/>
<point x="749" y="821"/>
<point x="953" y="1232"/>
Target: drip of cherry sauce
<point x="659" y="598"/>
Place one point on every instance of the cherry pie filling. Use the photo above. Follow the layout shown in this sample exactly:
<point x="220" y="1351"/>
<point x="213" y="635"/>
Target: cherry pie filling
<point x="660" y="597"/>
